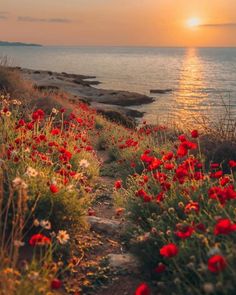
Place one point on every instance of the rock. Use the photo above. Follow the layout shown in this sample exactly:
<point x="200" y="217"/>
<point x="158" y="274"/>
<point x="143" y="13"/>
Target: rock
<point x="84" y="100"/>
<point x="104" y="225"/>
<point x="123" y="261"/>
<point x="85" y="83"/>
<point x="134" y="113"/>
<point x="160" y="91"/>
<point x="49" y="88"/>
<point x="118" y="117"/>
<point x="124" y="98"/>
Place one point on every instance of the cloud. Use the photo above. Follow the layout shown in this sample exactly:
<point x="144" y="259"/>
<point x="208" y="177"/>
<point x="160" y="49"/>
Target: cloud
<point x="43" y="20"/>
<point x="219" y="25"/>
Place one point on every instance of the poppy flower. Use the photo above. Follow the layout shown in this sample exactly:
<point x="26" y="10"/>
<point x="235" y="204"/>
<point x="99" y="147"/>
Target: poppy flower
<point x="160" y="268"/>
<point x="224" y="180"/>
<point x="169" y="166"/>
<point x="55" y="131"/>
<point x="224" y="227"/>
<point x="184" y="232"/>
<point x="91" y="212"/>
<point x="143" y="289"/>
<point x="160" y="197"/>
<point x="168" y="156"/>
<point x="216" y="263"/>
<point x="182" y="138"/>
<point x="39" y="240"/>
<point x="38" y="115"/>
<point x="182" y="150"/>
<point x="54" y="189"/>
<point x="118" y="184"/>
<point x="194" y="134"/>
<point x="214" y="165"/>
<point x="217" y="174"/>
<point x="232" y="164"/>
<point x="145" y="158"/>
<point x="191" y="206"/>
<point x="56" y="284"/>
<point x="145" y="178"/>
<point x="147" y="198"/>
<point x="169" y="250"/>
<point x="200" y="227"/>
<point x="155" y="164"/>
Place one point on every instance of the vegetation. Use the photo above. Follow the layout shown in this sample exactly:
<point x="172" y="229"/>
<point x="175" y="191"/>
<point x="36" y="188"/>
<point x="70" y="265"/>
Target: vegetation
<point x="176" y="199"/>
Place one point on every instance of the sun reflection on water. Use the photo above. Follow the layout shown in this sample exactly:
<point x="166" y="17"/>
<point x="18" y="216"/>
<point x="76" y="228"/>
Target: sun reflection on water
<point x="191" y="99"/>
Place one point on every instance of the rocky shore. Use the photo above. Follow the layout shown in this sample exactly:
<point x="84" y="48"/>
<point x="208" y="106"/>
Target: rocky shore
<point x="82" y="87"/>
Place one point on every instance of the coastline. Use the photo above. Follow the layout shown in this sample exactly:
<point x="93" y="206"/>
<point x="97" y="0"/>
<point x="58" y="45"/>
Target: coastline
<point x="81" y="87"/>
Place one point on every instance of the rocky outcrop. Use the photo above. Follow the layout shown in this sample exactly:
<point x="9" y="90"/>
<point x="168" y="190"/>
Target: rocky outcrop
<point x="118" y="117"/>
<point x="82" y="86"/>
<point x="104" y="225"/>
<point x="123" y="261"/>
<point x="161" y="91"/>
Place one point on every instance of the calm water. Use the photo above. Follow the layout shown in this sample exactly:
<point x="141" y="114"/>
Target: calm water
<point x="200" y="77"/>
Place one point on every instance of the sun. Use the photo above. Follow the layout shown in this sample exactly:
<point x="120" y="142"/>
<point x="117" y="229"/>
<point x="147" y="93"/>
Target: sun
<point x="193" y="22"/>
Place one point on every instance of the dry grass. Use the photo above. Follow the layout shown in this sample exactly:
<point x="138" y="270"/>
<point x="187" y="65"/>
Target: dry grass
<point x="12" y="83"/>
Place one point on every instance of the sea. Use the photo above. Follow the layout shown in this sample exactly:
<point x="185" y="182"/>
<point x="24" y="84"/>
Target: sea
<point x="202" y="80"/>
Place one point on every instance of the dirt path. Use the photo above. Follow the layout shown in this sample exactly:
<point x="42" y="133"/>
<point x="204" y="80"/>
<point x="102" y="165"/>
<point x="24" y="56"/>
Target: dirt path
<point x="120" y="280"/>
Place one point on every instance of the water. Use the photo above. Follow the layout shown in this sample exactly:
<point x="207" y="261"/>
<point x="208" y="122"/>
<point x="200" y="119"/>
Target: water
<point x="202" y="79"/>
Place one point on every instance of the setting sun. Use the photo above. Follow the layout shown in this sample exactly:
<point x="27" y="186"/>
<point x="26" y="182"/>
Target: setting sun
<point x="193" y="22"/>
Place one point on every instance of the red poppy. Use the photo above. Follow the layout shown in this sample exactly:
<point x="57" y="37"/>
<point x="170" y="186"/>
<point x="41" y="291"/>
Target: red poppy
<point x="21" y="123"/>
<point x="169" y="166"/>
<point x="147" y="198"/>
<point x="222" y="194"/>
<point x="155" y="164"/>
<point x="168" y="156"/>
<point x="217" y="174"/>
<point x="184" y="232"/>
<point x="182" y="150"/>
<point x="224" y="180"/>
<point x="216" y="263"/>
<point x="160" y="268"/>
<point x="54" y="189"/>
<point x="194" y="134"/>
<point x="200" y="227"/>
<point x="143" y="289"/>
<point x="160" y="197"/>
<point x="191" y="206"/>
<point x="214" y="165"/>
<point x="198" y="175"/>
<point x="39" y="240"/>
<point x="118" y="184"/>
<point x="232" y="164"/>
<point x="224" y="227"/>
<point x="38" y="115"/>
<point x="55" y="131"/>
<point x="56" y="284"/>
<point x="145" y="158"/>
<point x="182" y="138"/>
<point x="91" y="212"/>
<point x="169" y="250"/>
<point x="145" y="178"/>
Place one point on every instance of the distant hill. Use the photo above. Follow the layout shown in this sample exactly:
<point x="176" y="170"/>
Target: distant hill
<point x="4" y="43"/>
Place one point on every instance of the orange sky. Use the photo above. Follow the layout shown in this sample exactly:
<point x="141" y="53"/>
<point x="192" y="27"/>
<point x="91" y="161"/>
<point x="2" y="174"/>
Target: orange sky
<point x="119" y="22"/>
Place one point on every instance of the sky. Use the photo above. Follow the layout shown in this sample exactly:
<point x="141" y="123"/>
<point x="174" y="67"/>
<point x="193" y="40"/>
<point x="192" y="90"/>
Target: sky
<point x="119" y="22"/>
